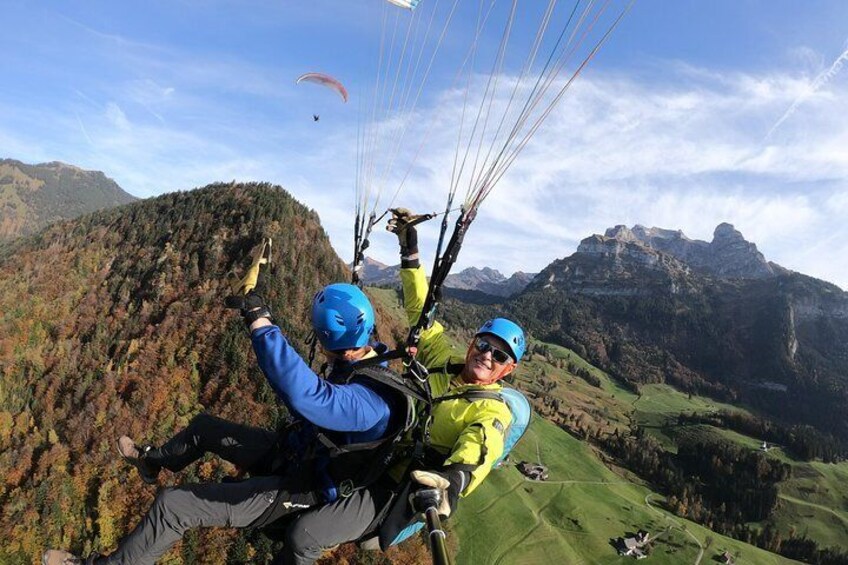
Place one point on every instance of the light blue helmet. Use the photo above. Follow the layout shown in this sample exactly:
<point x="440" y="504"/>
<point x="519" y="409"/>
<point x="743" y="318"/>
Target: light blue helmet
<point x="508" y="331"/>
<point x="342" y="317"/>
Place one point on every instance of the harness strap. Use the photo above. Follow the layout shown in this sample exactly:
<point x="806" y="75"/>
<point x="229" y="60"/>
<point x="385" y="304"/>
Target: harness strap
<point x="389" y="378"/>
<point x="335" y="449"/>
<point x="377" y="360"/>
<point x="471" y="396"/>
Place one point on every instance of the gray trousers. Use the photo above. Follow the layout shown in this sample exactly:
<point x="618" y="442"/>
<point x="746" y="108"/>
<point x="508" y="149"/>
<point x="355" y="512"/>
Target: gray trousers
<point x="235" y="504"/>
<point x="312" y="532"/>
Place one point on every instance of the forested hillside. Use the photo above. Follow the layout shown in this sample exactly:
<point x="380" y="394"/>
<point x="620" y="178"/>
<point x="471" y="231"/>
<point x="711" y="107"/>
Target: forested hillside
<point x="32" y="196"/>
<point x="114" y="324"/>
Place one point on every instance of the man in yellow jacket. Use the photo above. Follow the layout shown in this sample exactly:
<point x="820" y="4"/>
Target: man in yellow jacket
<point x="467" y="429"/>
<point x="463" y="439"/>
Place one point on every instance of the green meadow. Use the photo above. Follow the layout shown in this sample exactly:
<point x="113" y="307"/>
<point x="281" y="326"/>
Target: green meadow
<point x="574" y="517"/>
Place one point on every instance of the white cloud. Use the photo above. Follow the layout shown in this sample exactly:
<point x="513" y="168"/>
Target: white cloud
<point x="117" y="117"/>
<point x="682" y="153"/>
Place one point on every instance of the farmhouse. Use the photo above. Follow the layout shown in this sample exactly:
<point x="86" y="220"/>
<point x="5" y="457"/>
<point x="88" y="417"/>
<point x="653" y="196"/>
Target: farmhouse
<point x="635" y="546"/>
<point x="535" y="471"/>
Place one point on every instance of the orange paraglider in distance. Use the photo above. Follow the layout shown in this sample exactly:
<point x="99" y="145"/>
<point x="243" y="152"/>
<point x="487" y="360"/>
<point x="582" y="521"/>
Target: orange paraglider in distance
<point x="325" y="80"/>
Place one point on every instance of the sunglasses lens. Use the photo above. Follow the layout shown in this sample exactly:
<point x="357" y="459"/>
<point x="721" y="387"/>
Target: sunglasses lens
<point x="499" y="356"/>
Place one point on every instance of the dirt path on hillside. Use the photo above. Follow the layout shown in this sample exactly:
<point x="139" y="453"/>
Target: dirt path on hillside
<point x="538" y="516"/>
<point x="841" y="515"/>
<point x="677" y="526"/>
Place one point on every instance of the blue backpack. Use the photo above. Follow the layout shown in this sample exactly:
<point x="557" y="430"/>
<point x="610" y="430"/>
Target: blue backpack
<point x="521" y="411"/>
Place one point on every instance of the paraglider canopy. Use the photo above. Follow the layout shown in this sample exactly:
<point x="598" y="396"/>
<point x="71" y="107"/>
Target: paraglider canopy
<point x="405" y="3"/>
<point x="325" y="80"/>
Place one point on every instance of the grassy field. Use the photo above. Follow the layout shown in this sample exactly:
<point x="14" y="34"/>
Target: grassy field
<point x="660" y="404"/>
<point x="574" y="517"/>
<point x="814" y="501"/>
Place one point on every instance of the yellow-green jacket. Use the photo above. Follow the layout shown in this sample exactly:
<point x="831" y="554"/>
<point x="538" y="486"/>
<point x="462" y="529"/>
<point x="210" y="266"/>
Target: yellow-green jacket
<point x="469" y="433"/>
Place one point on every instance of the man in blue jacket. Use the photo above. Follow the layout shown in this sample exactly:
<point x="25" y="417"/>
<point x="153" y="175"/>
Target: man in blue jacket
<point x="290" y="470"/>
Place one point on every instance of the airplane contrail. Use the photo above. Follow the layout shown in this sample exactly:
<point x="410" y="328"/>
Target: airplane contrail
<point x="84" y="131"/>
<point x="820" y="81"/>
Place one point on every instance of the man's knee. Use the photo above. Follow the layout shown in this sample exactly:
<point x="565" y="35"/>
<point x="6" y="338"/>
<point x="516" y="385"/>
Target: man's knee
<point x="300" y="544"/>
<point x="168" y="507"/>
<point x="203" y="421"/>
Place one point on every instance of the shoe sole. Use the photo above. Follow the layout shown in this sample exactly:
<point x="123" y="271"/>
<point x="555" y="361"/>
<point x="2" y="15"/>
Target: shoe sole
<point x="132" y="461"/>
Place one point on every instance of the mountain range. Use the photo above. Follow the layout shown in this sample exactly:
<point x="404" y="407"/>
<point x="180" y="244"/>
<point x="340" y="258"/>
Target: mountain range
<point x="115" y="318"/>
<point x="33" y="196"/>
<point x="650" y="305"/>
<point x="486" y="281"/>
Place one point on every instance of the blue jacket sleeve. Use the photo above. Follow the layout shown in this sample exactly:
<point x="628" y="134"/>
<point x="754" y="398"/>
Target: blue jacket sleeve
<point x="339" y="407"/>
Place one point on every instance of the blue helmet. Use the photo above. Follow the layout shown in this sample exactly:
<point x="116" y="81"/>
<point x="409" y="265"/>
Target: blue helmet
<point x="508" y="331"/>
<point x="342" y="317"/>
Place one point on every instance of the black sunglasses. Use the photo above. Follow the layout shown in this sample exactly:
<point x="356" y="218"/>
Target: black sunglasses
<point x="499" y="355"/>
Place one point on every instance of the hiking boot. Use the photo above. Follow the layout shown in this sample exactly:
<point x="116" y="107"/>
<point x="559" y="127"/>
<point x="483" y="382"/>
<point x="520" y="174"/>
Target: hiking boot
<point x="58" y="557"/>
<point x="135" y="455"/>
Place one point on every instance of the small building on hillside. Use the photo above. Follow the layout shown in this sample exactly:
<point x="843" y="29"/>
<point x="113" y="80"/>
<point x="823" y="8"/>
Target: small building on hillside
<point x="727" y="558"/>
<point x="634" y="546"/>
<point x="535" y="471"/>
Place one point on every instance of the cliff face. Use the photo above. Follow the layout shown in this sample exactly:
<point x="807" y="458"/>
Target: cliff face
<point x="728" y="255"/>
<point x="651" y="305"/>
<point x="612" y="266"/>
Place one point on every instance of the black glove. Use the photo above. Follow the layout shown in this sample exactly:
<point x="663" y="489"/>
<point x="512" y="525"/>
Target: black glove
<point x="450" y="482"/>
<point x="407" y="236"/>
<point x="251" y="306"/>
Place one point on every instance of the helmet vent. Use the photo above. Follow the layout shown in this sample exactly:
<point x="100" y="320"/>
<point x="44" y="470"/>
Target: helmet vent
<point x="340" y="320"/>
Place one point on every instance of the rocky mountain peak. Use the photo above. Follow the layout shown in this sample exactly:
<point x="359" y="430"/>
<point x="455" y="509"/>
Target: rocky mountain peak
<point x="621" y="233"/>
<point x="727" y="231"/>
<point x="732" y="256"/>
<point x="642" y="234"/>
<point x="729" y="255"/>
<point x="473" y="278"/>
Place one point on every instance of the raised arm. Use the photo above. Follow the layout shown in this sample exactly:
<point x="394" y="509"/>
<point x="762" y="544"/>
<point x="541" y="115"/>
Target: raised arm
<point x="433" y="348"/>
<point x="339" y="407"/>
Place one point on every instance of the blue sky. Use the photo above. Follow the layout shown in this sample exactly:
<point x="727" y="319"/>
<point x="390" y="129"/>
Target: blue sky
<point x="694" y="113"/>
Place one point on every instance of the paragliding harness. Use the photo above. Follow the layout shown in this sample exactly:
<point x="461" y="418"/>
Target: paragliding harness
<point x="395" y="524"/>
<point x="394" y="515"/>
<point x="354" y="466"/>
<point x="358" y="465"/>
